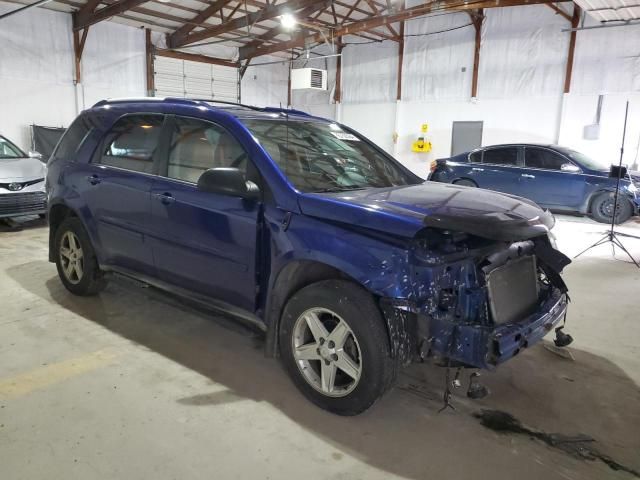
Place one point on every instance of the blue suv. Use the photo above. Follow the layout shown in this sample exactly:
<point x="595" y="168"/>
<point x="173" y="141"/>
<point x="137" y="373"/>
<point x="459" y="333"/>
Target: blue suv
<point x="350" y="264"/>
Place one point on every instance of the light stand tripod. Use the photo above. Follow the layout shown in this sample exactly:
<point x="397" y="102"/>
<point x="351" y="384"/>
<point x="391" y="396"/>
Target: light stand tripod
<point x="611" y="236"/>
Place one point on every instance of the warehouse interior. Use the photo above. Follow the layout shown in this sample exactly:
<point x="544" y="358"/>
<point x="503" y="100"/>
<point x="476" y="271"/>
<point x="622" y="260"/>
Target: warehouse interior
<point x="138" y="383"/>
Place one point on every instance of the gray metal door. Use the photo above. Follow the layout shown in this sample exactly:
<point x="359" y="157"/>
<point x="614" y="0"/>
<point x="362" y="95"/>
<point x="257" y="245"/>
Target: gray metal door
<point x="465" y="137"/>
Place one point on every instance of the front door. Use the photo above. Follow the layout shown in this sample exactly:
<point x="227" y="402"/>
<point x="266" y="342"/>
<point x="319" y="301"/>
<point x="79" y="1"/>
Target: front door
<point x="116" y="189"/>
<point x="202" y="241"/>
<point x="547" y="184"/>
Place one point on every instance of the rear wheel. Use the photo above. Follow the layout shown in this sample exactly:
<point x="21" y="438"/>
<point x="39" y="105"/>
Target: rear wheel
<point x="602" y="208"/>
<point x="465" y="183"/>
<point x="76" y="260"/>
<point x="335" y="347"/>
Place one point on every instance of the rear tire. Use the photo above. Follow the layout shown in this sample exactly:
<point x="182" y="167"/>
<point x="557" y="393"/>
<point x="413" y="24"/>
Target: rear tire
<point x="76" y="259"/>
<point x="465" y="183"/>
<point x="602" y="208"/>
<point x="359" y="367"/>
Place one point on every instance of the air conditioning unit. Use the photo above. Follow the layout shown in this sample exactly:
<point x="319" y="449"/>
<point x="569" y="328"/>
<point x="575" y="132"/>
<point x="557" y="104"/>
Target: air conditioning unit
<point x="308" y="78"/>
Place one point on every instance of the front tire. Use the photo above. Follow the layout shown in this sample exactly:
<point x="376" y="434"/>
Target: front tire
<point x="76" y="259"/>
<point x="335" y="346"/>
<point x="602" y="208"/>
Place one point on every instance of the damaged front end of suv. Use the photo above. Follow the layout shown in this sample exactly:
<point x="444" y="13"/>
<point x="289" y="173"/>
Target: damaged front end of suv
<point x="481" y="292"/>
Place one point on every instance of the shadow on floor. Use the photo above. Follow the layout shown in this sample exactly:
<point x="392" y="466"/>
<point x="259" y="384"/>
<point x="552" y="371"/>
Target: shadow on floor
<point x="402" y="434"/>
<point x="20" y="223"/>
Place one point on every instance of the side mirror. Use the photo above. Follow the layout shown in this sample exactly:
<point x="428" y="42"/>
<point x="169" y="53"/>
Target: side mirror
<point x="570" y="167"/>
<point x="35" y="155"/>
<point x="228" y="181"/>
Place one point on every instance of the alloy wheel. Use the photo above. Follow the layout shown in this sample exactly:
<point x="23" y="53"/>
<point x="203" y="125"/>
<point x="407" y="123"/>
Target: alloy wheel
<point x="327" y="352"/>
<point x="71" y="258"/>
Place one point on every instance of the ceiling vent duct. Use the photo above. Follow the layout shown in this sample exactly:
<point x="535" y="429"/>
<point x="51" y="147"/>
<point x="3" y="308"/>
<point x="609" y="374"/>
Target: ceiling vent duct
<point x="308" y="78"/>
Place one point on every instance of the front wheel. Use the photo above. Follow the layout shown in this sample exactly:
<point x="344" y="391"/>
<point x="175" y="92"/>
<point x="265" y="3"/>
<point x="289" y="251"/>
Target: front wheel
<point x="76" y="260"/>
<point x="602" y="208"/>
<point x="335" y="347"/>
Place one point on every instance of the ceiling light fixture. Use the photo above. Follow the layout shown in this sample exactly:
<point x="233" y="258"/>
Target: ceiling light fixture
<point x="288" y="21"/>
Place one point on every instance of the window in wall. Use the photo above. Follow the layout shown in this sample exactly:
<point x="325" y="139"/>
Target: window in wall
<point x="543" y="158"/>
<point x="197" y="145"/>
<point x="501" y="156"/>
<point x="132" y="142"/>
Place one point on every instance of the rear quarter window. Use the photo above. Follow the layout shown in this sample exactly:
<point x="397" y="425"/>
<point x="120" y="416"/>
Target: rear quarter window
<point x="72" y="139"/>
<point x="476" y="157"/>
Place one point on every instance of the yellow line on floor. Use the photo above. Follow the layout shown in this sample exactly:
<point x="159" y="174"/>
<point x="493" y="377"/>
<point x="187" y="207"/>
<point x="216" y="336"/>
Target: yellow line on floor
<point x="24" y="383"/>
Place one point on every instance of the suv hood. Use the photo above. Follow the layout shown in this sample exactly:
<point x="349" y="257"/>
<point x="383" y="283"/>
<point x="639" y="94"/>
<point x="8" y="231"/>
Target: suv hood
<point x="21" y="169"/>
<point x="406" y="210"/>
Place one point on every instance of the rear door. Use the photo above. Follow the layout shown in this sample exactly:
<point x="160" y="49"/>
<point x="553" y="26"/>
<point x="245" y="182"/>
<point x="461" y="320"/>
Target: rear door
<point x="202" y="241"/>
<point x="547" y="184"/>
<point x="117" y="190"/>
<point x="500" y="169"/>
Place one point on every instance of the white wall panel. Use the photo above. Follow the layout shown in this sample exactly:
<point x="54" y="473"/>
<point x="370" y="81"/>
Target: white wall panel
<point x="36" y="72"/>
<point x="438" y="66"/>
<point x="369" y="72"/>
<point x="523" y="52"/>
<point x="374" y="120"/>
<point x="607" y="60"/>
<point x="113" y="63"/>
<point x="266" y="85"/>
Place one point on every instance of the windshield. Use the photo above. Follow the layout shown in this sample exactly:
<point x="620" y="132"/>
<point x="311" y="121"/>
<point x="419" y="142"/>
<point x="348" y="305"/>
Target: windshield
<point x="322" y="157"/>
<point x="9" y="150"/>
<point x="582" y="159"/>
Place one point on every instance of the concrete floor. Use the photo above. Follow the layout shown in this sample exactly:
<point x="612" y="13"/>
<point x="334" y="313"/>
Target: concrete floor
<point x="132" y="384"/>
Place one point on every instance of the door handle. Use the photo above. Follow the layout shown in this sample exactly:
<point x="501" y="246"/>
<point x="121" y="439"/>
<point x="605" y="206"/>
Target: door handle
<point x="478" y="169"/>
<point x="526" y="175"/>
<point x="93" y="179"/>
<point x="166" y="198"/>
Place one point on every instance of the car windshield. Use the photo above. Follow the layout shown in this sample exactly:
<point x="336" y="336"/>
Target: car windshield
<point x="9" y="150"/>
<point x="582" y="159"/>
<point x="323" y="157"/>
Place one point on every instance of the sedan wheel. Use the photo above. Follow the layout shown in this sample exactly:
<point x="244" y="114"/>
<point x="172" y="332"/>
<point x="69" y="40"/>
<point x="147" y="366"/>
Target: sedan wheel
<point x="327" y="352"/>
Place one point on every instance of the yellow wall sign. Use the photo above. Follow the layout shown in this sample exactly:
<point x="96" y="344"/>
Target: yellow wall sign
<point x="421" y="146"/>
<point x="424" y="128"/>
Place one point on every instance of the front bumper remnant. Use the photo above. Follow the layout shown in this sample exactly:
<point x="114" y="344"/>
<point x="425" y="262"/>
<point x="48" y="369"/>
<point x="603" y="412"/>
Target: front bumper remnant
<point x="483" y="346"/>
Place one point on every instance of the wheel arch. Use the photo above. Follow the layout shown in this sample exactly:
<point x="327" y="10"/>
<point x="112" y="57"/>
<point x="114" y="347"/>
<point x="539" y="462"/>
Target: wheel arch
<point x="593" y="195"/>
<point x="57" y="214"/>
<point x="465" y="179"/>
<point x="292" y="277"/>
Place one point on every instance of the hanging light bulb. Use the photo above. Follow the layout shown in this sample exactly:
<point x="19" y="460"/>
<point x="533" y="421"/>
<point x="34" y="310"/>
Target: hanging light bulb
<point x="288" y="21"/>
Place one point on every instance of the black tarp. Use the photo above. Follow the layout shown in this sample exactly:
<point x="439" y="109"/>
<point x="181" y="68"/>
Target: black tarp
<point x="44" y="139"/>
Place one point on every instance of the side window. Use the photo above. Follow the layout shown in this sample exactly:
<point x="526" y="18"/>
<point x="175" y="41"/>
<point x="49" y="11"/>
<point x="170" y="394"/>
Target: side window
<point x="476" y="157"/>
<point x="132" y="141"/>
<point x="197" y="145"/>
<point x="542" y="158"/>
<point x="72" y="139"/>
<point x="501" y="156"/>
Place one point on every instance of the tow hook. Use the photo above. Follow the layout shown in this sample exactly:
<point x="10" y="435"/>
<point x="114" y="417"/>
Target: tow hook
<point x="562" y="339"/>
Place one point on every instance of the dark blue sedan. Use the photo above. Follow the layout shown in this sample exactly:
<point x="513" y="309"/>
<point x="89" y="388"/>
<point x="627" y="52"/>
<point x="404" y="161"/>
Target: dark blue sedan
<point x="555" y="177"/>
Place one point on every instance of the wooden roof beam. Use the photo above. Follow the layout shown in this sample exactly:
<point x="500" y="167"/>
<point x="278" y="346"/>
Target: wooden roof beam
<point x="250" y="18"/>
<point x="379" y="21"/>
<point x="185" y="29"/>
<point x="85" y="18"/>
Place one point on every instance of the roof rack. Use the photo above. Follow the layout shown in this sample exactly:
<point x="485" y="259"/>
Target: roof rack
<point x="198" y="100"/>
